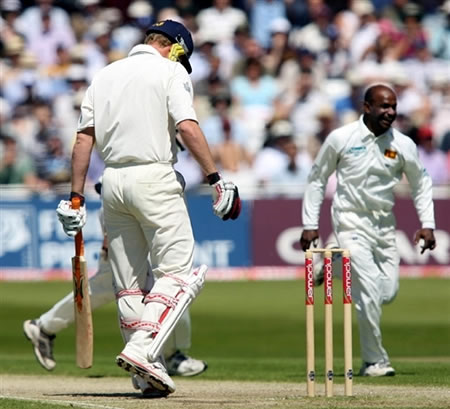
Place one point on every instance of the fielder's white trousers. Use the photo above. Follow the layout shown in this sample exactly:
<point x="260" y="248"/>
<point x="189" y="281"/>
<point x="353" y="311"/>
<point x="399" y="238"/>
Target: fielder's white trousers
<point x="145" y="213"/>
<point x="370" y="237"/>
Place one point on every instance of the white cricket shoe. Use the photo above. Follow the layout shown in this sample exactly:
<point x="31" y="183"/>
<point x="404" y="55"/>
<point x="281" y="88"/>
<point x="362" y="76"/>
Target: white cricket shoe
<point x="42" y="344"/>
<point x="147" y="389"/>
<point x="377" y="369"/>
<point x="154" y="373"/>
<point x="180" y="364"/>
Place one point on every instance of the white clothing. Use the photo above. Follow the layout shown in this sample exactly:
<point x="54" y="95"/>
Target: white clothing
<point x="366" y="175"/>
<point x="219" y="25"/>
<point x="134" y="105"/>
<point x="367" y="169"/>
<point x="146" y="86"/>
<point x="101" y="292"/>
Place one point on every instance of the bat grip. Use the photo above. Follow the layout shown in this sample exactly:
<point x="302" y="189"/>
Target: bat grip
<point x="79" y="244"/>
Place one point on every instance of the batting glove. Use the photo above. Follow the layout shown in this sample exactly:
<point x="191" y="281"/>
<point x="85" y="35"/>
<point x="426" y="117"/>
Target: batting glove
<point x="226" y="200"/>
<point x="72" y="220"/>
<point x="176" y="52"/>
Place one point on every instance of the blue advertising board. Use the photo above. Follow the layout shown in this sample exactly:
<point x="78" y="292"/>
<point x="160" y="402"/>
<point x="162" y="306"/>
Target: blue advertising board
<point x="219" y="243"/>
<point x="31" y="236"/>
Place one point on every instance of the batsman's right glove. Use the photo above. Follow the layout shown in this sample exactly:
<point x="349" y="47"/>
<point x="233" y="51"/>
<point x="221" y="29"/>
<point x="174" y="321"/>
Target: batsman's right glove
<point x="226" y="200"/>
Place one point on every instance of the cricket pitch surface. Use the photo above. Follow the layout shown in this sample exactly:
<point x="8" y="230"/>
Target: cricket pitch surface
<point x="195" y="393"/>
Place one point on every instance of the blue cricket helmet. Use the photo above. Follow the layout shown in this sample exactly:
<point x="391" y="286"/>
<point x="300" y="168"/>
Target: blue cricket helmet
<point x="177" y="33"/>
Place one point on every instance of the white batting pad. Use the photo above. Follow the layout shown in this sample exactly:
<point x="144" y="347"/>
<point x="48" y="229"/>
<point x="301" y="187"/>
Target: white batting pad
<point x="188" y="291"/>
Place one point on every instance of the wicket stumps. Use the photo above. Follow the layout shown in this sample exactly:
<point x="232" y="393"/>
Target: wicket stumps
<point x="328" y="301"/>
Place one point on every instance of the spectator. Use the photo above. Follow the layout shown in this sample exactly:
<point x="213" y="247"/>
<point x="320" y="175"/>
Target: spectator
<point x="305" y="103"/>
<point x="411" y="102"/>
<point x="344" y="46"/>
<point x="204" y="64"/>
<point x="313" y="36"/>
<point x="367" y="31"/>
<point x="228" y="140"/>
<point x="13" y="75"/>
<point x="279" y="49"/>
<point x="262" y="14"/>
<point x="413" y="39"/>
<point x="220" y="21"/>
<point x="140" y="16"/>
<point x="335" y="59"/>
<point x="232" y="52"/>
<point x="46" y="27"/>
<point x="10" y="10"/>
<point x="65" y="106"/>
<point x="280" y="163"/>
<point x="255" y="93"/>
<point x="433" y="159"/>
<point x="16" y="167"/>
<point x="436" y="26"/>
<point x="54" y="165"/>
<point x="348" y="106"/>
<point x="98" y="45"/>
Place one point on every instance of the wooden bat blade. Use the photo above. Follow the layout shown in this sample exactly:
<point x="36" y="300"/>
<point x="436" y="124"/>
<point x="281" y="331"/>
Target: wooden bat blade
<point x="83" y="315"/>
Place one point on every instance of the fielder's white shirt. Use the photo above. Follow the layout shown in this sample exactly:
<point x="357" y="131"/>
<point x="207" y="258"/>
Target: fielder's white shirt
<point x="367" y="168"/>
<point x="135" y="104"/>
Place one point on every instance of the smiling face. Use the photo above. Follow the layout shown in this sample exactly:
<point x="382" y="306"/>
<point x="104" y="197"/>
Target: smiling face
<point x="380" y="109"/>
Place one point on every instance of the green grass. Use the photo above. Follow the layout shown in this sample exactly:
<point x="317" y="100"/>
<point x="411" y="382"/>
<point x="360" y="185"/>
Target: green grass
<point x="23" y="404"/>
<point x="248" y="331"/>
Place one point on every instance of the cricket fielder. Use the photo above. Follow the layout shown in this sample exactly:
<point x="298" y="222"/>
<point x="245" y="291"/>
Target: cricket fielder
<point x="131" y="112"/>
<point x="370" y="158"/>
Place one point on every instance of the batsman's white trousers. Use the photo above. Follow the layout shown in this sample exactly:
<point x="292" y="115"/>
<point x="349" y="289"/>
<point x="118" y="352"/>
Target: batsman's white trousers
<point x="145" y="212"/>
<point x="101" y="291"/>
<point x="370" y="237"/>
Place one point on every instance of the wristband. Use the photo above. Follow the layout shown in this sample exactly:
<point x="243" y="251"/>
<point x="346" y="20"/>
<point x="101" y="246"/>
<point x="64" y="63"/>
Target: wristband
<point x="75" y="194"/>
<point x="213" y="178"/>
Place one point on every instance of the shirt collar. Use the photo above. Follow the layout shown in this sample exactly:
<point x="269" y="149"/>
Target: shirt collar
<point x="143" y="48"/>
<point x="367" y="133"/>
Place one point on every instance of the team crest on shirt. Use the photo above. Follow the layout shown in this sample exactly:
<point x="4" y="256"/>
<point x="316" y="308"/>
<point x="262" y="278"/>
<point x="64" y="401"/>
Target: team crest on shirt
<point x="187" y="87"/>
<point x="390" y="154"/>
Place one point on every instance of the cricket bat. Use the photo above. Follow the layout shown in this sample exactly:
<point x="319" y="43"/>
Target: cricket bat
<point x="82" y="303"/>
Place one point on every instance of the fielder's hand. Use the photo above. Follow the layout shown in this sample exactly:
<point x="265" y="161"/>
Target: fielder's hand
<point x="226" y="200"/>
<point x="429" y="242"/>
<point x="308" y="237"/>
<point x="72" y="220"/>
<point x="176" y="52"/>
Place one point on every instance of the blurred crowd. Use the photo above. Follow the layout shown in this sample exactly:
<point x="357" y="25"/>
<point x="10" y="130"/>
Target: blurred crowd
<point x="271" y="78"/>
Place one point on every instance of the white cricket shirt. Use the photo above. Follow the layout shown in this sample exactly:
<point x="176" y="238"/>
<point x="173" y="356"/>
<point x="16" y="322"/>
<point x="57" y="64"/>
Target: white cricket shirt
<point x="135" y="104"/>
<point x="367" y="169"/>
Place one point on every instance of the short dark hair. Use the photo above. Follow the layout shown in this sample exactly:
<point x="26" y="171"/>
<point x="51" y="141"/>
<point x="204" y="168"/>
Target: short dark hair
<point x="370" y="92"/>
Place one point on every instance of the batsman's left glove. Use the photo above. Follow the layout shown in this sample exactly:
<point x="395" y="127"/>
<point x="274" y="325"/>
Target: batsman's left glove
<point x="226" y="200"/>
<point x="72" y="220"/>
<point x="176" y="52"/>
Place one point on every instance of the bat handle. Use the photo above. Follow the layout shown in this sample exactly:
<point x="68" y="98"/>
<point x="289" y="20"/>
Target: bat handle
<point x="79" y="244"/>
<point x="76" y="203"/>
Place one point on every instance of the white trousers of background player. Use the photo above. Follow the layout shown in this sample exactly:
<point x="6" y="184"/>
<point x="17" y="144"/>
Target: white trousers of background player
<point x="145" y="212"/>
<point x="101" y="291"/>
<point x="370" y="237"/>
